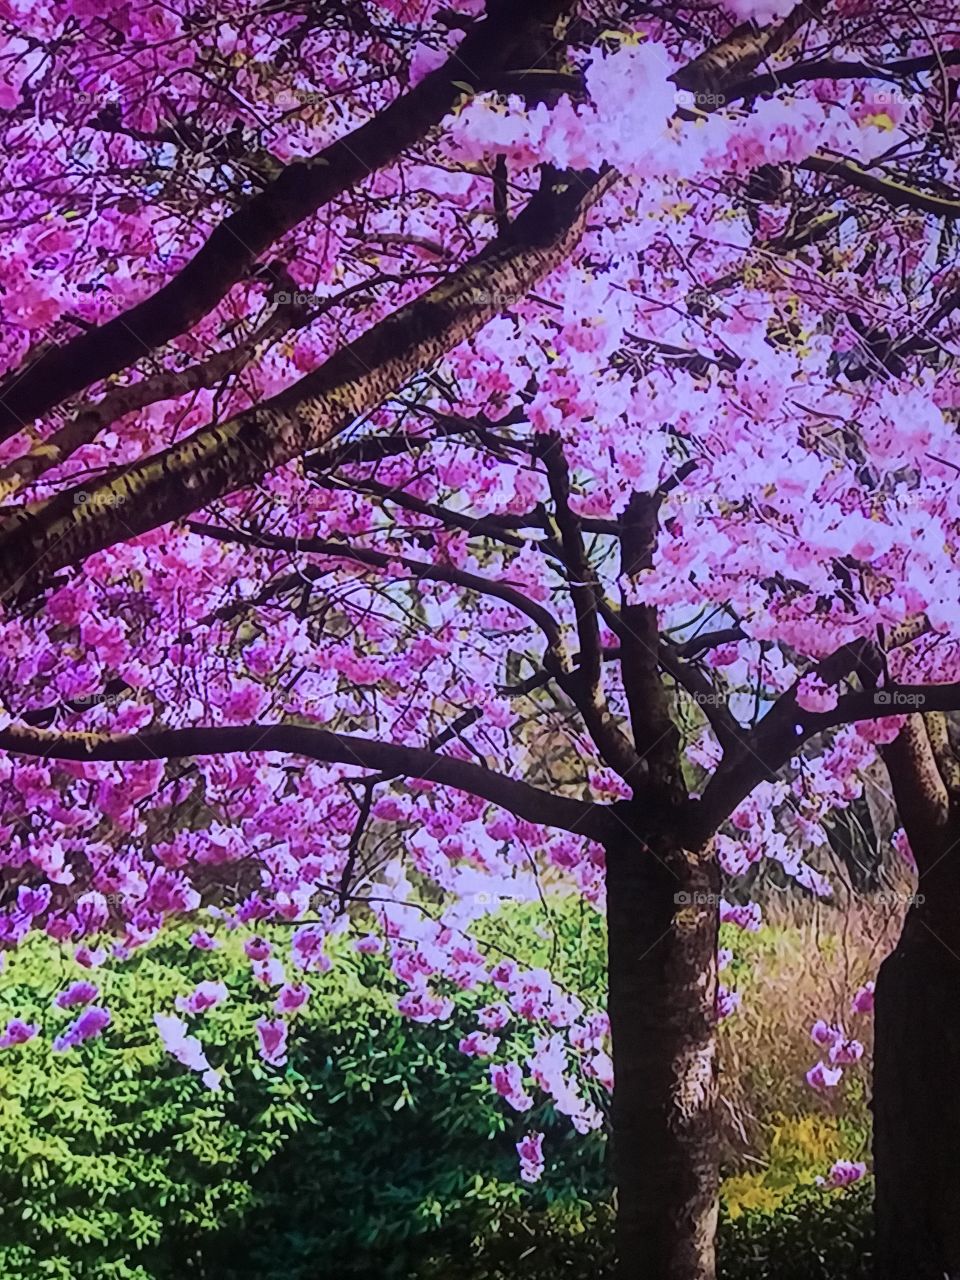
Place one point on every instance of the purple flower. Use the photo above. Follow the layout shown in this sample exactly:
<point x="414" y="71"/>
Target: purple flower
<point x="863" y="1000"/>
<point x="257" y="948"/>
<point x="843" y="1173"/>
<point x="273" y="1041"/>
<point x="478" y="1044"/>
<point x="530" y="1151"/>
<point x="307" y="946"/>
<point x="822" y="1077"/>
<point x="76" y="994"/>
<point x="846" y="1051"/>
<point x="368" y="946"/>
<point x="825" y="1035"/>
<point x="89" y="1024"/>
<point x="187" y="1050"/>
<point x="18" y="1032"/>
<point x="203" y="997"/>
<point x="728" y="1002"/>
<point x="423" y="1006"/>
<point x="507" y="1080"/>
<point x="291" y="996"/>
<point x="494" y="1016"/>
<point x="33" y="902"/>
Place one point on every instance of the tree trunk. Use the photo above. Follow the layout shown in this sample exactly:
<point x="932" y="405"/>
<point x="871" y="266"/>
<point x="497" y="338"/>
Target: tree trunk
<point x="916" y="1091"/>
<point x="662" y="912"/>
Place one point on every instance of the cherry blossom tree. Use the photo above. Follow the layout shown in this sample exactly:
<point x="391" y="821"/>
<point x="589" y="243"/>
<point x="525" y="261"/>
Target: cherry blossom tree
<point x="453" y="451"/>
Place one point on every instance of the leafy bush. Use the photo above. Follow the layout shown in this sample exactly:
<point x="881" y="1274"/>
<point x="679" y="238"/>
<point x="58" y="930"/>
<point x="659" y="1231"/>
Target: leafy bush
<point x="379" y="1150"/>
<point x="813" y="1235"/>
<point x="380" y="1144"/>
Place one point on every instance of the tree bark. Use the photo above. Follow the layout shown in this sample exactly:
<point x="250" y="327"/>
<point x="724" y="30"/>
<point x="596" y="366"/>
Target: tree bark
<point x="662" y="911"/>
<point x="916" y="1085"/>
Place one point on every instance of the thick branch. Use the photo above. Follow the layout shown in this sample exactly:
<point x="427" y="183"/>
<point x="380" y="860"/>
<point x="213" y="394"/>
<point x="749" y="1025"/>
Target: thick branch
<point x="923" y="802"/>
<point x="91" y="419"/>
<point x="894" y="190"/>
<point x="834" y="69"/>
<point x="300" y="190"/>
<point x="744" y="50"/>
<point x="712" y="704"/>
<point x="654" y="732"/>
<point x="770" y="745"/>
<point x="219" y="460"/>
<point x="520" y="798"/>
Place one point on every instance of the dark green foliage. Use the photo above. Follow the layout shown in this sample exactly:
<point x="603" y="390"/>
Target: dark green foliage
<point x="378" y="1152"/>
<point x="815" y="1235"/>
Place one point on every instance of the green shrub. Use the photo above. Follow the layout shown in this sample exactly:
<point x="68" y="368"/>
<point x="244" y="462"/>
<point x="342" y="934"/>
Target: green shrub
<point x="378" y="1151"/>
<point x="379" y="1145"/>
<point x="813" y="1235"/>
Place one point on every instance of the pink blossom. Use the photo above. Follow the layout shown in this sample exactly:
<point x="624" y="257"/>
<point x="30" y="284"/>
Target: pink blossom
<point x="272" y="1035"/>
<point x="206" y="995"/>
<point x="291" y="997"/>
<point x="863" y="1000"/>
<point x="901" y="843"/>
<point x="815" y="696"/>
<point x="77" y="993"/>
<point x="479" y="1045"/>
<point x="187" y="1049"/>
<point x="18" y="1032"/>
<point x="822" y="1077"/>
<point x="824" y="1034"/>
<point x="843" y="1173"/>
<point x="494" y="1017"/>
<point x="600" y="1068"/>
<point x="745" y="917"/>
<point x="368" y="946"/>
<point x="530" y="1151"/>
<point x="269" y="973"/>
<point x="728" y="1002"/>
<point x="507" y="1081"/>
<point x="846" y="1051"/>
<point x="87" y="1026"/>
<point x="423" y="1006"/>
<point x="307" y="946"/>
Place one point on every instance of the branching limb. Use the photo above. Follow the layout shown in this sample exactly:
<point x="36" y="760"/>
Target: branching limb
<point x="520" y="798"/>
<point x="585" y="687"/>
<point x="300" y="190"/>
<point x="218" y="460"/>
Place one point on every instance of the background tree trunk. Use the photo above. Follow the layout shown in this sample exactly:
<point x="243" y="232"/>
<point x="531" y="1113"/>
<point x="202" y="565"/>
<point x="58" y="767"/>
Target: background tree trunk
<point x="916" y="1094"/>
<point x="916" y="1085"/>
<point x="663" y="920"/>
